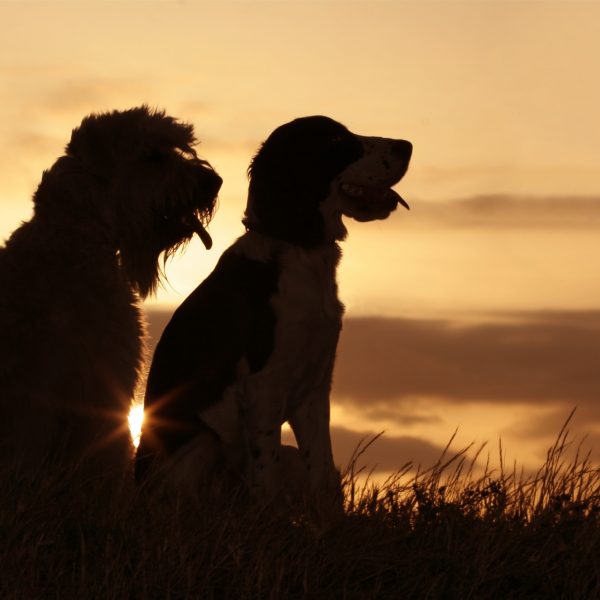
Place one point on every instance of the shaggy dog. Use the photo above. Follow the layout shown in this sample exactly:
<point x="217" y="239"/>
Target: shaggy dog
<point x="222" y="387"/>
<point x="129" y="188"/>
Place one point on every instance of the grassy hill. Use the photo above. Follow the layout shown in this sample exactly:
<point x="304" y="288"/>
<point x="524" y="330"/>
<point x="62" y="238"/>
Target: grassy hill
<point x="442" y="533"/>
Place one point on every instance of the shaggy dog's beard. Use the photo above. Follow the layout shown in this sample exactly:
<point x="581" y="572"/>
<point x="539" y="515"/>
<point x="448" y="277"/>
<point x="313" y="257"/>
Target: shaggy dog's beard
<point x="141" y="264"/>
<point x="168" y="228"/>
<point x="140" y="257"/>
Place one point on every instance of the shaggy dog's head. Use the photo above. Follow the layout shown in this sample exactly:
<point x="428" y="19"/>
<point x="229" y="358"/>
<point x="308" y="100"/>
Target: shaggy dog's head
<point x="131" y="181"/>
<point x="311" y="171"/>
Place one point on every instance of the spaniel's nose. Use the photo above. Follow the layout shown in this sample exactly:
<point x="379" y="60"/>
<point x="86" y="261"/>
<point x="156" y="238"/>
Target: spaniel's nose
<point x="402" y="149"/>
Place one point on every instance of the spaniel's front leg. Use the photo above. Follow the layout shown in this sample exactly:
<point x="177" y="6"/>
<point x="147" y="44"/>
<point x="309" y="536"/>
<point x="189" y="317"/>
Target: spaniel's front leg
<point x="310" y="423"/>
<point x="262" y="415"/>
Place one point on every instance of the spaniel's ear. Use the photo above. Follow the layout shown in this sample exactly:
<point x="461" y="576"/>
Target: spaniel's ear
<point x="283" y="202"/>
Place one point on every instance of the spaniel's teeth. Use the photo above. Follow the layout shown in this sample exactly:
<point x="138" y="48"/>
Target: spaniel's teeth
<point x="352" y="190"/>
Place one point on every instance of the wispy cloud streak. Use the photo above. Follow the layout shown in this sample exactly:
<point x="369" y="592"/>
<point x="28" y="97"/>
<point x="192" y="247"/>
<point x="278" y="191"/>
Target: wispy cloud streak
<point x="508" y="211"/>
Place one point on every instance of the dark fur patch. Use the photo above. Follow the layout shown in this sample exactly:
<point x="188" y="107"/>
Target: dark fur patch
<point x="226" y="318"/>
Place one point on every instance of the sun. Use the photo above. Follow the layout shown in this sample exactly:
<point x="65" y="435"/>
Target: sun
<point x="136" y="418"/>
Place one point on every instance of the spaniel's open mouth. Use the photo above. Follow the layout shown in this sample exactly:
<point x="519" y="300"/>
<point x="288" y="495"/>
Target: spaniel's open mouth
<point x="373" y="195"/>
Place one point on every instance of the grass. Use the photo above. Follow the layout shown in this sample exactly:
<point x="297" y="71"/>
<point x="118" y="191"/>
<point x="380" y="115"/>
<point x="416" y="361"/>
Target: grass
<point x="445" y="532"/>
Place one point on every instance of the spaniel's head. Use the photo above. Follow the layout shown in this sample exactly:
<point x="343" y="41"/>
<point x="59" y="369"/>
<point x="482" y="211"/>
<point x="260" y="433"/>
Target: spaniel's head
<point x="311" y="171"/>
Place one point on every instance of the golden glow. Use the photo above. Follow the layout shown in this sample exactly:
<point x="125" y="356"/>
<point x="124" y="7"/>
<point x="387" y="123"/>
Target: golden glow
<point x="497" y="98"/>
<point x="136" y="418"/>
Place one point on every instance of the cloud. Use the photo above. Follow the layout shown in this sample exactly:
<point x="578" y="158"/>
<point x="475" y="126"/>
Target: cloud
<point x="541" y="357"/>
<point x="380" y="413"/>
<point x="84" y="95"/>
<point x="504" y="211"/>
<point x="30" y="142"/>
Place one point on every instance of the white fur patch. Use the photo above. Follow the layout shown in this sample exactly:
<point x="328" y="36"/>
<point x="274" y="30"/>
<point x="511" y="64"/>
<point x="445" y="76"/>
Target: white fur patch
<point x="308" y="320"/>
<point x="377" y="166"/>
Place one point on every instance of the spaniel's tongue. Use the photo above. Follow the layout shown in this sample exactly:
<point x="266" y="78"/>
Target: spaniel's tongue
<point x="373" y="193"/>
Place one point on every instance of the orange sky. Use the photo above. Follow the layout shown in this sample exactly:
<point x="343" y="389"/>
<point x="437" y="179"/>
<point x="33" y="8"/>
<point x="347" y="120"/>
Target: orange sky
<point x="500" y="100"/>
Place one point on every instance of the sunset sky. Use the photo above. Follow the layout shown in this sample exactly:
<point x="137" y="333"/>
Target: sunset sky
<point x="479" y="308"/>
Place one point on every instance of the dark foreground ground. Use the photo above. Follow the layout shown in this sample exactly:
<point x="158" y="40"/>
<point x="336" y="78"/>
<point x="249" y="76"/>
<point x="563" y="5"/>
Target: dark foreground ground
<point x="444" y="533"/>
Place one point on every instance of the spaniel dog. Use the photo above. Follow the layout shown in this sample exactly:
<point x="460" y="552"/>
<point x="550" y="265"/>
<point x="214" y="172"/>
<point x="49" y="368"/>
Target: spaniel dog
<point x="129" y="188"/>
<point x="254" y="345"/>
